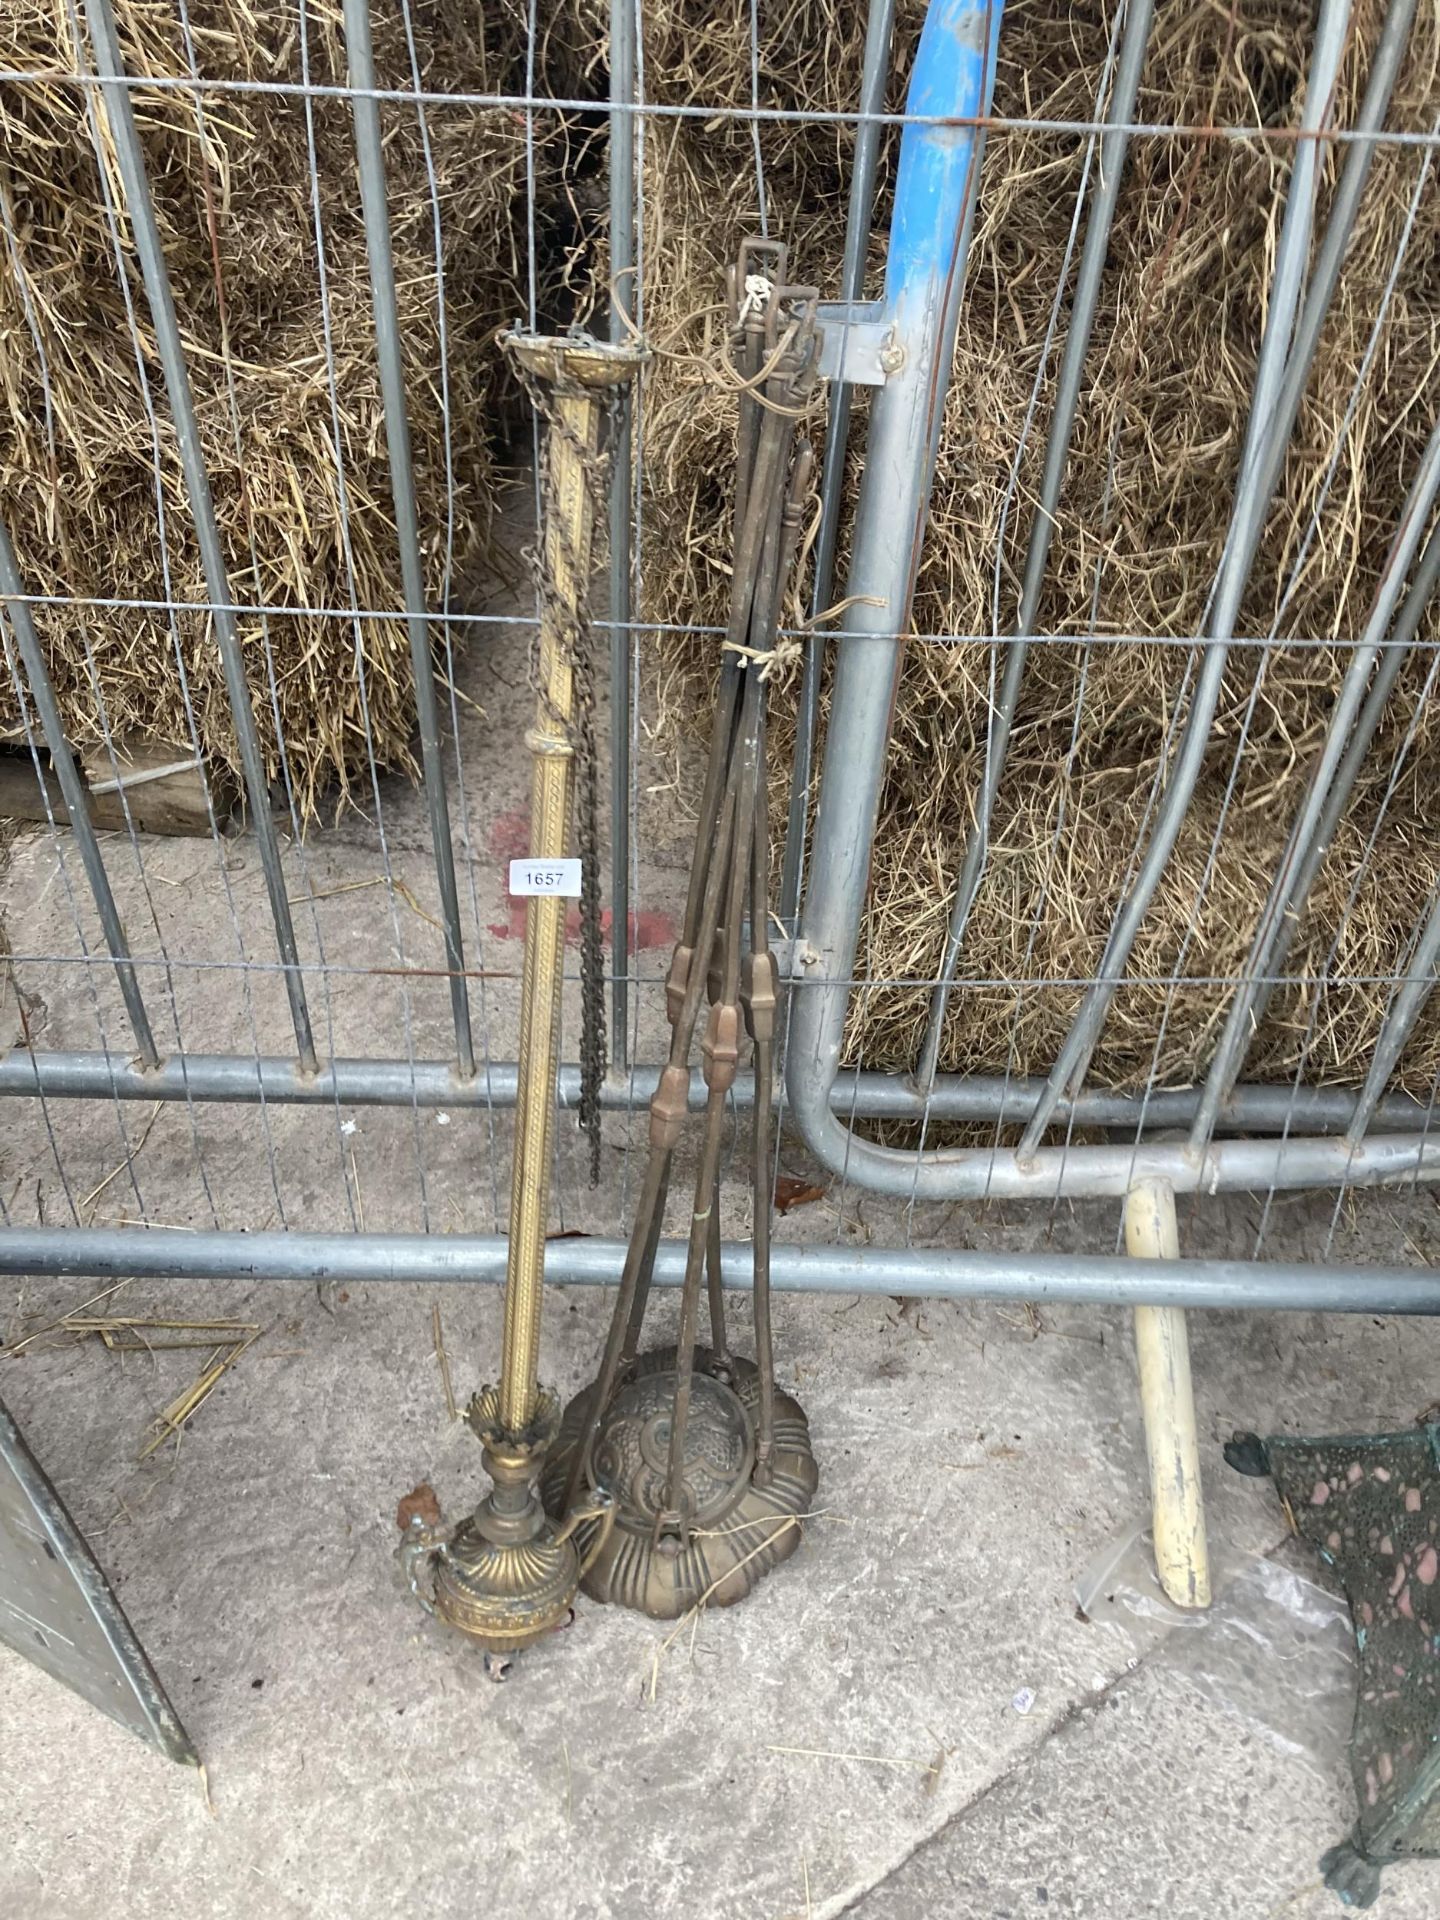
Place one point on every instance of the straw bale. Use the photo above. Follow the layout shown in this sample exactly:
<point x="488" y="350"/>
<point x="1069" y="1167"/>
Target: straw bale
<point x="94" y="493"/>
<point x="1142" y="519"/>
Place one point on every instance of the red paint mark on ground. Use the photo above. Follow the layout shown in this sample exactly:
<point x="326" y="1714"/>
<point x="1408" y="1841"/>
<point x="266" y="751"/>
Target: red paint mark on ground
<point x="510" y="835"/>
<point x="509" y="840"/>
<point x="419" y="1504"/>
<point x="647" y="930"/>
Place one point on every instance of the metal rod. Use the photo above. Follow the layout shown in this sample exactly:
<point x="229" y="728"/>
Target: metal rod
<point x="218" y="1078"/>
<point x="973" y="1173"/>
<point x="1113" y="150"/>
<point x="715" y="1289"/>
<point x="114" y="86"/>
<point x="1260" y="1286"/>
<point x="77" y="804"/>
<point x="1068" y="1173"/>
<point x="1292" y="255"/>
<point x="1330" y="782"/>
<point x="759" y="1000"/>
<point x="573" y="377"/>
<point x="718" y="1049"/>
<point x="622" y="312"/>
<point x="1405" y="1010"/>
<point x="874" y="75"/>
<point x="371" y="158"/>
<point x="924" y="275"/>
<point x="1266" y="444"/>
<point x="1172" y="132"/>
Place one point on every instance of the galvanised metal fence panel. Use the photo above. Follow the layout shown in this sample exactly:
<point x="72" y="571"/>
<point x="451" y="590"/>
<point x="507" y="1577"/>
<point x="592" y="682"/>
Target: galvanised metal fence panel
<point x="452" y="1036"/>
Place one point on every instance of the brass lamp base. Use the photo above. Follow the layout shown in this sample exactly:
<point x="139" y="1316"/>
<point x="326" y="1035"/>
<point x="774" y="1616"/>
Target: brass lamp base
<point x="509" y="1575"/>
<point x="506" y="1597"/>
<point x="737" y="1523"/>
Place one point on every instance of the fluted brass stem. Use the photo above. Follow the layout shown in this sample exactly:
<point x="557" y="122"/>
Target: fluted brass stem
<point x="550" y="785"/>
<point x="578" y="374"/>
<point x="508" y="1574"/>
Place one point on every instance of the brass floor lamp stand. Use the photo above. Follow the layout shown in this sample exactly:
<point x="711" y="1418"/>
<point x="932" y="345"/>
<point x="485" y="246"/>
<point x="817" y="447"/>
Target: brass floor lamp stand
<point x="706" y="1466"/>
<point x="510" y="1572"/>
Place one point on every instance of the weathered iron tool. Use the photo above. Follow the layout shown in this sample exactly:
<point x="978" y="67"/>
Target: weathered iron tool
<point x="708" y="1467"/>
<point x="509" y="1573"/>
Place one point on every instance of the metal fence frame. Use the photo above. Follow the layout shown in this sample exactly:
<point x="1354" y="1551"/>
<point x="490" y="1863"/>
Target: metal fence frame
<point x="923" y="293"/>
<point x="1295" y="1137"/>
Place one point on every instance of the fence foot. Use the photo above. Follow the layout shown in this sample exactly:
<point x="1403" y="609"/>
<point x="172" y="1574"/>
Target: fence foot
<point x="1167" y="1401"/>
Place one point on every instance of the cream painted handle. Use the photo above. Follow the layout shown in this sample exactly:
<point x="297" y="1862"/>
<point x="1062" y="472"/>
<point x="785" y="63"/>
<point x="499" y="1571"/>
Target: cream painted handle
<point x="1167" y="1400"/>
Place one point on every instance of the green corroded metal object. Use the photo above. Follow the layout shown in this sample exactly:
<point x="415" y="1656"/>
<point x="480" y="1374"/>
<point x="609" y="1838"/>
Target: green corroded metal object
<point x="1370" y="1507"/>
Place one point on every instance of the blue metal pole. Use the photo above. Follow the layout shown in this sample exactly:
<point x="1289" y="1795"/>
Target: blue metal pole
<point x="929" y="238"/>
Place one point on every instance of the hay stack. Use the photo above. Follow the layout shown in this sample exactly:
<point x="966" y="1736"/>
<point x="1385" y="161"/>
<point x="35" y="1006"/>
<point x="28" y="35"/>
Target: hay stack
<point x="231" y="181"/>
<point x="1151" y="477"/>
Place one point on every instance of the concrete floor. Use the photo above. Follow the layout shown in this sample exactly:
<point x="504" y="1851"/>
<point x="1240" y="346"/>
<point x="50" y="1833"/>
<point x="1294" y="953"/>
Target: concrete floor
<point x="908" y="1719"/>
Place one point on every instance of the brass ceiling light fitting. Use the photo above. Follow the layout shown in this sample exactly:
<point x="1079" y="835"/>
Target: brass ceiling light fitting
<point x="703" y="1466"/>
<point x="508" y="1574"/>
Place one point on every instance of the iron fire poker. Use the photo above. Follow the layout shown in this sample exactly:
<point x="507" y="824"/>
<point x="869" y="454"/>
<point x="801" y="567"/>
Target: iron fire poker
<point x="509" y="1574"/>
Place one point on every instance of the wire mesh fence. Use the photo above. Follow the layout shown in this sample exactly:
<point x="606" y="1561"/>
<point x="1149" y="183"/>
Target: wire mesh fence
<point x="1106" y="757"/>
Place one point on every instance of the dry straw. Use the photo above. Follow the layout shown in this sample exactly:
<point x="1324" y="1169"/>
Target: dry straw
<point x="1142" y="519"/>
<point x="232" y="181"/>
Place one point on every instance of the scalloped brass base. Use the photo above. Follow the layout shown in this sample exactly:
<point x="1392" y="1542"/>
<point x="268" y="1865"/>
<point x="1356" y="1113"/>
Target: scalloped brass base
<point x="506" y="1596"/>
<point x="737" y="1529"/>
<point x="508" y="1576"/>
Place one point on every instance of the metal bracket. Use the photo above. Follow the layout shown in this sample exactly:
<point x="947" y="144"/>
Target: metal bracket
<point x="857" y="345"/>
<point x="57" y="1609"/>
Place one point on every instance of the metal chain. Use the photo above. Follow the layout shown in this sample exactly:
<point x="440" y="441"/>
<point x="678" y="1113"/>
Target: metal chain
<point x="572" y="626"/>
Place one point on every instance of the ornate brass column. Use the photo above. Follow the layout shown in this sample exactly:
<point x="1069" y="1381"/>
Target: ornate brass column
<point x="510" y="1574"/>
<point x="577" y="376"/>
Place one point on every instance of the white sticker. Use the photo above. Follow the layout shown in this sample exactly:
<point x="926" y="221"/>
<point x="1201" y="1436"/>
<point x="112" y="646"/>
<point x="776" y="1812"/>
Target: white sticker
<point x="558" y="877"/>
